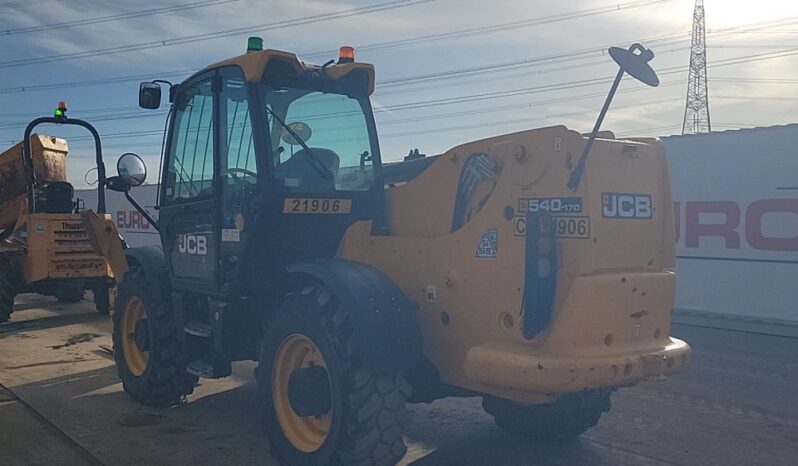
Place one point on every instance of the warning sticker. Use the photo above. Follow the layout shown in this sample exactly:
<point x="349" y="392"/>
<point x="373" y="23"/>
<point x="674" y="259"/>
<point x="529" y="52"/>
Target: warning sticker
<point x="488" y="246"/>
<point x="231" y="235"/>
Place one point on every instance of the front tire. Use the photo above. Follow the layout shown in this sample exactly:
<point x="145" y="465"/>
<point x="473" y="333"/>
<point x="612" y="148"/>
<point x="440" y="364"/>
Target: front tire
<point x="9" y="282"/>
<point x="149" y="359"/>
<point x="565" y="418"/>
<point x="362" y="414"/>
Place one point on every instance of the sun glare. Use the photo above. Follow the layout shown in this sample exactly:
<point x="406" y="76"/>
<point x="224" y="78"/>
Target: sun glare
<point x="728" y="13"/>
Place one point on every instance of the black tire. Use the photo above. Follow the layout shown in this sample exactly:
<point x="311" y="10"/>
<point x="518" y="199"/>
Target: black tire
<point x="68" y="294"/>
<point x="164" y="381"/>
<point x="102" y="299"/>
<point x="9" y="283"/>
<point x="368" y="407"/>
<point x="567" y="417"/>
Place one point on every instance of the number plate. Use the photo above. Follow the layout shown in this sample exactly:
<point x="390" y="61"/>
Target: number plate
<point x="309" y="205"/>
<point x="552" y="205"/>
<point x="564" y="227"/>
<point x="571" y="227"/>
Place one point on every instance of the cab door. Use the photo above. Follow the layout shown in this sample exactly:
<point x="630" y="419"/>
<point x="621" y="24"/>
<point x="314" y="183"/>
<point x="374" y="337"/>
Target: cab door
<point x="240" y="181"/>
<point x="189" y="198"/>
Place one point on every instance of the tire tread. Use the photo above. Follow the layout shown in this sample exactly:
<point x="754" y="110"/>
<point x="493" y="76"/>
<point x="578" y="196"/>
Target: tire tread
<point x="166" y="382"/>
<point x="565" y="418"/>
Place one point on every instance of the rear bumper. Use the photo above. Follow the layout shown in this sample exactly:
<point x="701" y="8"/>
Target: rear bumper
<point x="513" y="366"/>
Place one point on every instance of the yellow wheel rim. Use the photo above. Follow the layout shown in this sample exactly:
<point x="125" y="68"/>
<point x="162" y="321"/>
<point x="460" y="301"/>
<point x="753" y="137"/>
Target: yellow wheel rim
<point x="135" y="359"/>
<point x="306" y="434"/>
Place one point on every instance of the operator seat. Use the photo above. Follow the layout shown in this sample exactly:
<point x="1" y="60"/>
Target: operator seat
<point x="300" y="167"/>
<point x="58" y="198"/>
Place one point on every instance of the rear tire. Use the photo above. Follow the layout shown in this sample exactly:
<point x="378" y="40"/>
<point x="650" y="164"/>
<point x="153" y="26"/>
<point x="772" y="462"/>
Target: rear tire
<point x="149" y="359"/>
<point x="366" y="414"/>
<point x="9" y="283"/>
<point x="565" y="418"/>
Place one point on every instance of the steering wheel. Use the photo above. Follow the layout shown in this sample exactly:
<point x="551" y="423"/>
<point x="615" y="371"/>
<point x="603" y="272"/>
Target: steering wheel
<point x="233" y="171"/>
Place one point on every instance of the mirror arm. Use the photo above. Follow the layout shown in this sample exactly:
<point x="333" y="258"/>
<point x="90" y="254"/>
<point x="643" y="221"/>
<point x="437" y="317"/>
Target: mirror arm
<point x="172" y="88"/>
<point x="141" y="210"/>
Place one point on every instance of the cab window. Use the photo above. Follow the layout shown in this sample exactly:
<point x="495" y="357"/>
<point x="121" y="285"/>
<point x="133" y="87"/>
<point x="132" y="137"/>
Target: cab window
<point x="241" y="161"/>
<point x="190" y="165"/>
<point x="335" y="129"/>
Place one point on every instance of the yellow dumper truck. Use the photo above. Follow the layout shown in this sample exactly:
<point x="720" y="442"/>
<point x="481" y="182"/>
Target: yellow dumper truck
<point x="49" y="244"/>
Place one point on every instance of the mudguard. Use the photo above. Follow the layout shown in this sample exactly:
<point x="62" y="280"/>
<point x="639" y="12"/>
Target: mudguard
<point x="152" y="261"/>
<point x="384" y="321"/>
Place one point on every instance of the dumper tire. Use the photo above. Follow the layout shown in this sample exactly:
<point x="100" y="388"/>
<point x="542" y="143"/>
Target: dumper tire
<point x="366" y="416"/>
<point x="102" y="299"/>
<point x="565" y="418"/>
<point x="68" y="294"/>
<point x="162" y="379"/>
<point x="9" y="283"/>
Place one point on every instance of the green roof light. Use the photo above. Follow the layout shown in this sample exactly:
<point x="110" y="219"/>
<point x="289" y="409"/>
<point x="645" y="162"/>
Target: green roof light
<point x="254" y="44"/>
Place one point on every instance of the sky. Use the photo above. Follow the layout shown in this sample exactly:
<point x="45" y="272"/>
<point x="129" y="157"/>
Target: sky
<point x="448" y="71"/>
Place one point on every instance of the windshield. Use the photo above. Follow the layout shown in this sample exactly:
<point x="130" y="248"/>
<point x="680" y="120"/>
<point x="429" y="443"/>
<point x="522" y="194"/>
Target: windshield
<point x="327" y="130"/>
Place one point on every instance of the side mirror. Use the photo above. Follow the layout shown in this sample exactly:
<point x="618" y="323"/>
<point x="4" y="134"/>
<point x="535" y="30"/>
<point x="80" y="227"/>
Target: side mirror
<point x="131" y="169"/>
<point x="149" y="95"/>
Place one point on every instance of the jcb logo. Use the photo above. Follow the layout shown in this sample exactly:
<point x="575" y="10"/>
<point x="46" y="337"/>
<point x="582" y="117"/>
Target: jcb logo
<point x="620" y="205"/>
<point x="196" y="245"/>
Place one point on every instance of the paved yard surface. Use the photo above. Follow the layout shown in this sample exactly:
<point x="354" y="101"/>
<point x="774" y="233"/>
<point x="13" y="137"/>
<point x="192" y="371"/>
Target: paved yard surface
<point x="61" y="403"/>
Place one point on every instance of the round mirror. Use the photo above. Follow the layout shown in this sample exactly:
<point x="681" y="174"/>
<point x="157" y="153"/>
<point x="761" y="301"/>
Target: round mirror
<point x="131" y="169"/>
<point x="299" y="128"/>
<point x="636" y="64"/>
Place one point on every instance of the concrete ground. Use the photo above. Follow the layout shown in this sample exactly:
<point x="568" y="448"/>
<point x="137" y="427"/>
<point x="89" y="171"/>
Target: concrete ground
<point x="61" y="403"/>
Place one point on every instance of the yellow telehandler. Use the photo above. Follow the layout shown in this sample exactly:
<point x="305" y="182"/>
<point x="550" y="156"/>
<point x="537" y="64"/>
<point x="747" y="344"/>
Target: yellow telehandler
<point x="530" y="269"/>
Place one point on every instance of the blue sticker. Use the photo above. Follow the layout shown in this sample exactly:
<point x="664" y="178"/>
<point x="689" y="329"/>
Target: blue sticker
<point x="488" y="247"/>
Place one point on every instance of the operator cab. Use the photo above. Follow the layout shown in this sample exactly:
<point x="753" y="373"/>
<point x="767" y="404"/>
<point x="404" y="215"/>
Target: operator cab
<point x="267" y="162"/>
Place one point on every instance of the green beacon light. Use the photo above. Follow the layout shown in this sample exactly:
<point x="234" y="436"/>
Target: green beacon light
<point x="254" y="44"/>
<point x="60" y="111"/>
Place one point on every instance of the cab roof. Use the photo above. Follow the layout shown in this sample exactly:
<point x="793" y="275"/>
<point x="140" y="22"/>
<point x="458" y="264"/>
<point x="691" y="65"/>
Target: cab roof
<point x="255" y="63"/>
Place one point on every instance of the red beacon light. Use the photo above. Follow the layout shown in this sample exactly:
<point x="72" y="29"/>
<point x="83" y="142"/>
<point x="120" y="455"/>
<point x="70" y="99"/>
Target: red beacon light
<point x="60" y="111"/>
<point x="346" y="54"/>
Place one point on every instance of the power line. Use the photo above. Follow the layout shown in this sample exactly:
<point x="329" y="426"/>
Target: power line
<point x="131" y="116"/>
<point x="116" y="17"/>
<point x="128" y="134"/>
<point x="518" y="120"/>
<point x="93" y="82"/>
<point x="656" y="129"/>
<point x="391" y="5"/>
<point x="83" y="112"/>
<point x="757" y="80"/>
<point x="661" y="40"/>
<point x="336" y="15"/>
<point x="770" y="98"/>
<point x="506" y="93"/>
<point x="380" y="46"/>
<point x="26" y="3"/>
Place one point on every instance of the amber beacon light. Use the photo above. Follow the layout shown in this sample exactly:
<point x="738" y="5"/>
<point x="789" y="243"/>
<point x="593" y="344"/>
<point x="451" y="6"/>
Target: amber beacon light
<point x="346" y="54"/>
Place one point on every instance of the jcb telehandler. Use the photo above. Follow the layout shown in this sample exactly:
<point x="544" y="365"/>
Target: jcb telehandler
<point x="510" y="268"/>
<point x="49" y="244"/>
